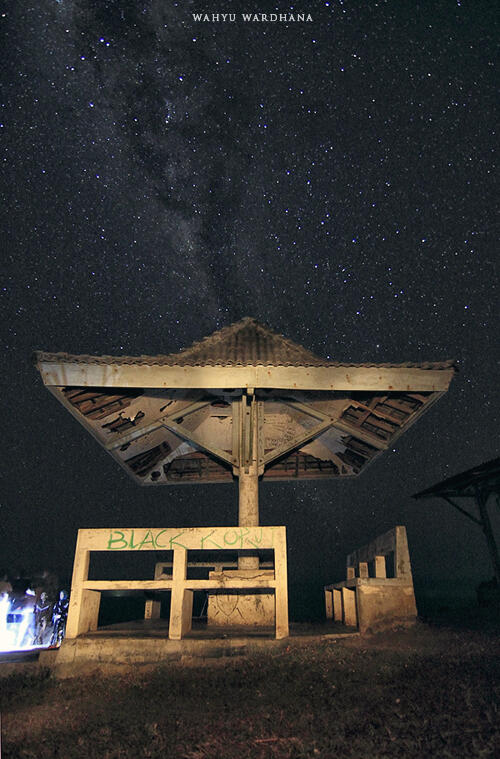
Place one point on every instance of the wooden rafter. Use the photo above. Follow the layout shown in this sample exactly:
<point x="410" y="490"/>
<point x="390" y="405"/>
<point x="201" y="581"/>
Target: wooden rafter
<point x="161" y="421"/>
<point x="367" y="437"/>
<point x="376" y="412"/>
<point x="297" y="441"/>
<point x="197" y="440"/>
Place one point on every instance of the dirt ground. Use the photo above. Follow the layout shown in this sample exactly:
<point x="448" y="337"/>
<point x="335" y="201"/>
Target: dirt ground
<point x="422" y="692"/>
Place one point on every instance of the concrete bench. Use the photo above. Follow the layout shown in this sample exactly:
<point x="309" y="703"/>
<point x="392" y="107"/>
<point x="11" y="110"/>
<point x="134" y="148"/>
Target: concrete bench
<point x="378" y="589"/>
<point x="163" y="569"/>
<point x="86" y="594"/>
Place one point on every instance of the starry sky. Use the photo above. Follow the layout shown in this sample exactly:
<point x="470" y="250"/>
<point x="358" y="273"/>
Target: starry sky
<point x="164" y="177"/>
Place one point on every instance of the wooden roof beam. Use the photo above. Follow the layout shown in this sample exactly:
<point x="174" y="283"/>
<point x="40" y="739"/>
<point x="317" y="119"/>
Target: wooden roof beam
<point x="366" y="437"/>
<point x="349" y="378"/>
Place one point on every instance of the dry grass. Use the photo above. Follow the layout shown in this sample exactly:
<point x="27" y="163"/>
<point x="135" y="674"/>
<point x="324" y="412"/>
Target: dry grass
<point x="421" y="693"/>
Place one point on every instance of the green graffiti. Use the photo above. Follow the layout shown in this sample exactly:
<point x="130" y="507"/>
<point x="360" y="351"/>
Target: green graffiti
<point x="208" y="537"/>
<point x="240" y="534"/>
<point x="173" y="542"/>
<point x="131" y="542"/>
<point x="148" y="538"/>
<point x="123" y="540"/>
<point x="228" y="542"/>
<point x="257" y="539"/>
<point x="117" y="540"/>
<point x="150" y="542"/>
<point x="157" y="543"/>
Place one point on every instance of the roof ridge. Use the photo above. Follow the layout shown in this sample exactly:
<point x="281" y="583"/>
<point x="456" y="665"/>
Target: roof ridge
<point x="215" y="337"/>
<point x="223" y="334"/>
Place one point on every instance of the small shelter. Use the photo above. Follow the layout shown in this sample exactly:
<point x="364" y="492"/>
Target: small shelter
<point x="478" y="487"/>
<point x="244" y="403"/>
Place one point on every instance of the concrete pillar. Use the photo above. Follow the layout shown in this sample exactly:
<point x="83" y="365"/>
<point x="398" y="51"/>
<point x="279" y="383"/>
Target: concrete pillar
<point x="402" y="565"/>
<point x="248" y="511"/>
<point x="248" y="505"/>
<point x="380" y="568"/>
<point x="84" y="604"/>
<point x="281" y="590"/>
<point x="152" y="609"/>
<point x="250" y="609"/>
<point x="363" y="569"/>
<point x="350" y="617"/>
<point x="329" y="604"/>
<point x="181" y="604"/>
<point x="337" y="605"/>
<point x="248" y="480"/>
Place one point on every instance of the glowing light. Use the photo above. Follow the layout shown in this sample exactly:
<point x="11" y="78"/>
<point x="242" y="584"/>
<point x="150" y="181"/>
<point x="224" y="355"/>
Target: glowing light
<point x="17" y="627"/>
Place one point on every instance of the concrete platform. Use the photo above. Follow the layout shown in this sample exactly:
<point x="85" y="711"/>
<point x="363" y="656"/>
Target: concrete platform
<point x="145" y="642"/>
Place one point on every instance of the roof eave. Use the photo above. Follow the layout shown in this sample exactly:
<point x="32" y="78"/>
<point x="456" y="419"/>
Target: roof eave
<point x="62" y="372"/>
<point x="481" y="476"/>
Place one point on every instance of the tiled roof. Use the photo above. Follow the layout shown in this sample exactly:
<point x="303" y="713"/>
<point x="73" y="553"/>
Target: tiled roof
<point x="244" y="343"/>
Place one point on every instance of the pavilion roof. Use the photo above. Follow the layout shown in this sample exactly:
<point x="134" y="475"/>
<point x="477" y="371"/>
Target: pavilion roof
<point x="244" y="343"/>
<point x="176" y="418"/>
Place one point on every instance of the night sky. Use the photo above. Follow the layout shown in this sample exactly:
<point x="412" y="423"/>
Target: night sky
<point x="333" y="179"/>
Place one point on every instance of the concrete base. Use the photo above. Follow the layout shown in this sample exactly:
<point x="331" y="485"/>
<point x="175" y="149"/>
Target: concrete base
<point x="375" y="603"/>
<point x="380" y="606"/>
<point x="240" y="609"/>
<point x="146" y="644"/>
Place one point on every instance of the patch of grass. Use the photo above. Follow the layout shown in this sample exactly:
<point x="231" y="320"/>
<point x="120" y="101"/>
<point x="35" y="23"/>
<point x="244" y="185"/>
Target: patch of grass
<point x="27" y="688"/>
<point x="330" y="700"/>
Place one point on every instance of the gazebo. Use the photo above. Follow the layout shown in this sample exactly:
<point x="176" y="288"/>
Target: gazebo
<point x="477" y="487"/>
<point x="244" y="403"/>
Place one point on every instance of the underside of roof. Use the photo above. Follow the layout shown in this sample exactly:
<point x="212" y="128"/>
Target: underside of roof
<point x="168" y="437"/>
<point x="484" y="477"/>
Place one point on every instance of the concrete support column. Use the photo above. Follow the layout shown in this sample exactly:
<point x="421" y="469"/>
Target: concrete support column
<point x="248" y="506"/>
<point x="248" y="480"/>
<point x="248" y="511"/>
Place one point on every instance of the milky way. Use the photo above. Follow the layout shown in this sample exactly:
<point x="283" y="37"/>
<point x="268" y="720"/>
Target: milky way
<point x="333" y="178"/>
